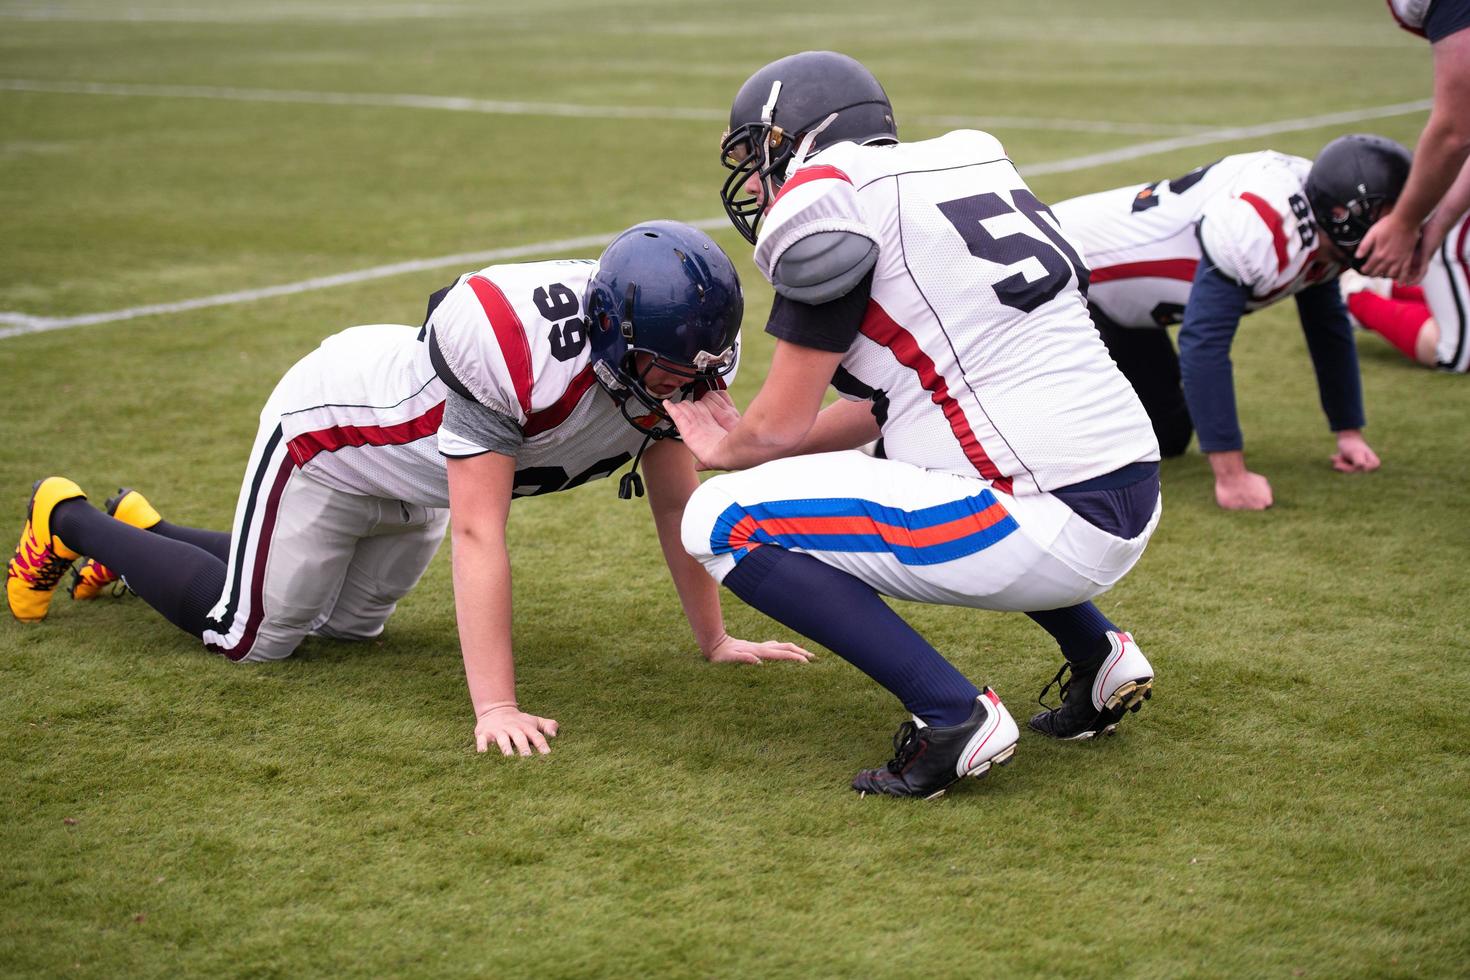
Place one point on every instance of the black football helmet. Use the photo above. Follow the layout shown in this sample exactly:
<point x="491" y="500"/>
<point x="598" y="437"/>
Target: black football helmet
<point x="1352" y="181"/>
<point x="781" y="104"/>
<point x="666" y="290"/>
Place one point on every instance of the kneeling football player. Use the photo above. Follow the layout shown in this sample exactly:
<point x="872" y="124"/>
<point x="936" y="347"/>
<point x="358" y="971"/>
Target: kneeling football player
<point x="524" y="379"/>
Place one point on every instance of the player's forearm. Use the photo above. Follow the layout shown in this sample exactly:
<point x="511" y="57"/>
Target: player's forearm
<point x="699" y="595"/>
<point x="1227" y="464"/>
<point x="671" y="482"/>
<point x="483" y="609"/>
<point x="843" y="425"/>
<point x="757" y="439"/>
<point x="1452" y="207"/>
<point x="1334" y="354"/>
<point x="1438" y="158"/>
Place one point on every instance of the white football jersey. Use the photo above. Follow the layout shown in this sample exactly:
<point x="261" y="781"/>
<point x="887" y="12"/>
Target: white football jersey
<point x="362" y="412"/>
<point x="976" y="339"/>
<point x="1143" y="242"/>
<point x="1410" y="14"/>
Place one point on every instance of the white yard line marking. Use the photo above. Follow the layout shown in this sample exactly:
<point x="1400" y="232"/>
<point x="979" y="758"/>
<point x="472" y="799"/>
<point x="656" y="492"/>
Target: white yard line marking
<point x="1224" y="136"/>
<point x="23" y="323"/>
<point x="387" y="99"/>
<point x="451" y="103"/>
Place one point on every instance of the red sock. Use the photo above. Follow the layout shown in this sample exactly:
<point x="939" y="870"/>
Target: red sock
<point x="1414" y="294"/>
<point x="1397" y="321"/>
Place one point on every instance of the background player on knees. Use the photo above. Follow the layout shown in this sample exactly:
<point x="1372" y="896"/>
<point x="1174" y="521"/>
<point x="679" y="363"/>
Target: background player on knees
<point x="1428" y="323"/>
<point x="1211" y="245"/>
<point x="524" y="379"/>
<point x="1016" y="469"/>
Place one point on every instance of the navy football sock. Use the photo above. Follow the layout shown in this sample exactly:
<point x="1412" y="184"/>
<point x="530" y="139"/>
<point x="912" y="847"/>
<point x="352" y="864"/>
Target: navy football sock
<point x="217" y="543"/>
<point x="1079" y="630"/>
<point x="848" y="617"/>
<point x="181" y="581"/>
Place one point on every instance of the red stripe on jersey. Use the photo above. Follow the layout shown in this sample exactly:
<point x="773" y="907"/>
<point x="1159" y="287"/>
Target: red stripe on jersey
<point x="1160" y="269"/>
<point x="556" y="413"/>
<point x="881" y="328"/>
<point x="1273" y="221"/>
<point x="809" y="174"/>
<point x="511" y="335"/>
<point x="307" y="445"/>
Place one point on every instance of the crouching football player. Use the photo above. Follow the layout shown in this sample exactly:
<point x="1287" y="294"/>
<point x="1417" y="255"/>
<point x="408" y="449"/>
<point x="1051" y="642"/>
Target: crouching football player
<point x="525" y="379"/>
<point x="1015" y="468"/>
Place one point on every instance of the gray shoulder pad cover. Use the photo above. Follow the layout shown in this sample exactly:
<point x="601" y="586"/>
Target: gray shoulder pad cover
<point x="824" y="266"/>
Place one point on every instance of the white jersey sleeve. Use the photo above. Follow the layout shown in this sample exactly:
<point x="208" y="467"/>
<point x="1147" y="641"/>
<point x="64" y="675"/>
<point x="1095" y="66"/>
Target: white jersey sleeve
<point x="481" y="339"/>
<point x="1261" y="236"/>
<point x="816" y="198"/>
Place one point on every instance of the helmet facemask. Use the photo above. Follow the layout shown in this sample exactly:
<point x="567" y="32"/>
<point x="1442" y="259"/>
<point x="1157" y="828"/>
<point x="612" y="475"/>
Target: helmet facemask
<point x="1346" y="223"/>
<point x="627" y="380"/>
<point x="762" y="150"/>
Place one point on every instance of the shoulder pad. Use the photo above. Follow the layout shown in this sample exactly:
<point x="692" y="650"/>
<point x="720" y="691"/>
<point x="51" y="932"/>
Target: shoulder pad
<point x="823" y="266"/>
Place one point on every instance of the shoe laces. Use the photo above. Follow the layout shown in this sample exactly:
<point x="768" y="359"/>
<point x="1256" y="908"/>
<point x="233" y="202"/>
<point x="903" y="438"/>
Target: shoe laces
<point x="906" y="744"/>
<point x="1061" y="682"/>
<point x="42" y="568"/>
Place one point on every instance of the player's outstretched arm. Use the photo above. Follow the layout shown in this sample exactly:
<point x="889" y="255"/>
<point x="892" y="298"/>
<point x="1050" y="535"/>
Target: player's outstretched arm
<point x="479" y="503"/>
<point x="1452" y="208"/>
<point x="669" y="469"/>
<point x="777" y="421"/>
<point x="1389" y="247"/>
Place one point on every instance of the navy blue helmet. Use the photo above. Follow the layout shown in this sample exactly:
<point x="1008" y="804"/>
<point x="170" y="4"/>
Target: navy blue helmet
<point x="781" y="104"/>
<point x="1351" y="182"/>
<point x="664" y="290"/>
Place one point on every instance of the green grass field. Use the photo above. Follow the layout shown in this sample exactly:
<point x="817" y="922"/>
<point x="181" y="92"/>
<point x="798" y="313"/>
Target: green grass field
<point x="1295" y="801"/>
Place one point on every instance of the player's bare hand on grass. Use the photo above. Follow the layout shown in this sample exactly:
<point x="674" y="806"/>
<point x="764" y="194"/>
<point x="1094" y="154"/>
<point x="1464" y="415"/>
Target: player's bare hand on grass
<point x="732" y="650"/>
<point x="514" y="731"/>
<point x="1354" y="455"/>
<point x="1243" y="491"/>
<point x="703" y="424"/>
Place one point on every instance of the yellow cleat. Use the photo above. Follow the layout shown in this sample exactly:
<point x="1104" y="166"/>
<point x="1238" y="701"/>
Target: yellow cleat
<point x="91" y="578"/>
<point x="41" y="558"/>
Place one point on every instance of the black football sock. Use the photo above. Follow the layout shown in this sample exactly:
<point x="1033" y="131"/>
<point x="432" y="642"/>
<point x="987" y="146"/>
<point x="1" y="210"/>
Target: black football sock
<point x="181" y="581"/>
<point x="217" y="543"/>
<point x="1081" y="632"/>
<point x="847" y="616"/>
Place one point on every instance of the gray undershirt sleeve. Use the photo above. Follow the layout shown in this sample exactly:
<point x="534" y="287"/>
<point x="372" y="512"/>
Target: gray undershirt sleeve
<point x="484" y="427"/>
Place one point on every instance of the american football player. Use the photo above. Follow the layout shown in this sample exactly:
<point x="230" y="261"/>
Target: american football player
<point x="1014" y="468"/>
<point x="1392" y="248"/>
<point x="524" y="379"/>
<point x="1210" y="245"/>
<point x="1429" y="323"/>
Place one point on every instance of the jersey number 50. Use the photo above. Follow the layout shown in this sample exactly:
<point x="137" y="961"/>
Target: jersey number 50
<point x="1061" y="262"/>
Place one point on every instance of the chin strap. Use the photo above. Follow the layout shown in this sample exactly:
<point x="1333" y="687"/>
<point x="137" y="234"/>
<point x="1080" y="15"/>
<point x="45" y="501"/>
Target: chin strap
<point x="631" y="485"/>
<point x="805" y="147"/>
